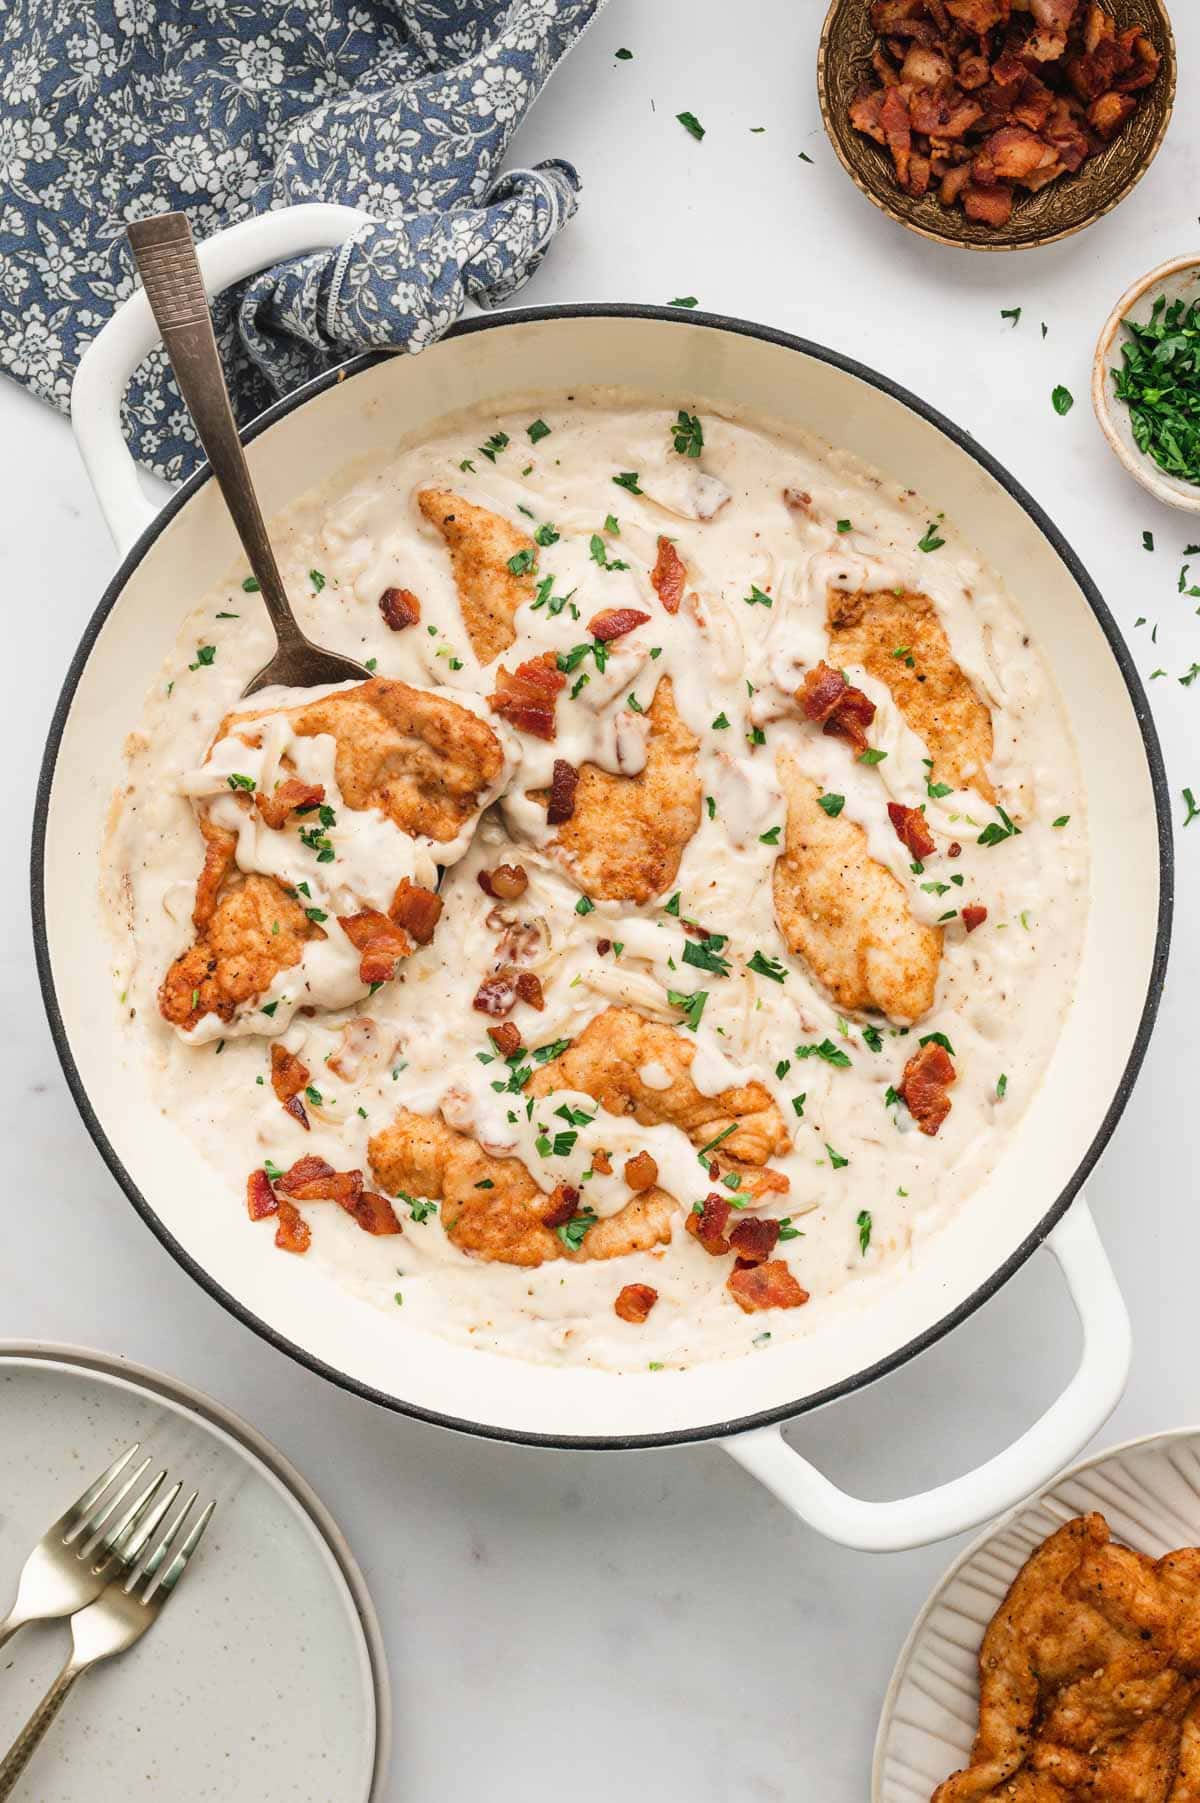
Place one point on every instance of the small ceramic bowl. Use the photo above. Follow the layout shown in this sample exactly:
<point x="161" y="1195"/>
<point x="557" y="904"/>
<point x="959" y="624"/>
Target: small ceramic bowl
<point x="1177" y="280"/>
<point x="1066" y="206"/>
<point x="1149" y="1493"/>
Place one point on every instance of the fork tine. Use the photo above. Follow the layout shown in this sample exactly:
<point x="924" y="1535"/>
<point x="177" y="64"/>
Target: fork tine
<point x="102" y="1546"/>
<point x="143" y="1574"/>
<point x="79" y="1511"/>
<point x="138" y="1533"/>
<point x="178" y="1565"/>
<point x="104" y="1508"/>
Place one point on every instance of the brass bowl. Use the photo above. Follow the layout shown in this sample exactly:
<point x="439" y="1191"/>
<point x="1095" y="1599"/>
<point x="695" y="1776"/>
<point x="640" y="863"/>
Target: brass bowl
<point x="1066" y="206"/>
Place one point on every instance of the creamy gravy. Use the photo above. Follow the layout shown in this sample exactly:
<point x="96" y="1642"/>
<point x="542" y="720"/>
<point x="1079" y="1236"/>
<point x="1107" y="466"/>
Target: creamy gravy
<point x="867" y="1189"/>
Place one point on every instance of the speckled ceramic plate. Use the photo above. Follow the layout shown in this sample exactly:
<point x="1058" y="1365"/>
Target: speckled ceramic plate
<point x="1149" y="1493"/>
<point x="265" y="1679"/>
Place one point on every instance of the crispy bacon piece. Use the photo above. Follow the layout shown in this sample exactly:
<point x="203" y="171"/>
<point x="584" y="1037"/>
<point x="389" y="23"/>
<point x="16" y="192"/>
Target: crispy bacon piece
<point x="634" y="1302"/>
<point x="506" y="1038"/>
<point x="987" y="206"/>
<point x="755" y="1239"/>
<point x="415" y="911"/>
<point x="769" y="1285"/>
<point x="288" y="1077"/>
<point x="1111" y="112"/>
<point x="506" y="883"/>
<point x="668" y="576"/>
<point x="865" y="109"/>
<point x="527" y="696"/>
<point x="563" y="783"/>
<point x="614" y="622"/>
<point x="381" y="942"/>
<point x="563" y="1204"/>
<point x="400" y="608"/>
<point x="912" y="830"/>
<point x="307" y="1179"/>
<point x="826" y="698"/>
<point x="496" y="995"/>
<point x="641" y="1171"/>
<point x="290" y="796"/>
<point x="927" y="1076"/>
<point x="261" y="1199"/>
<point x="973" y="915"/>
<point x="373" y="1213"/>
<point x="979" y="15"/>
<point x="708" y="1222"/>
<point x="945" y="115"/>
<point x="602" y="1162"/>
<point x="897" y="131"/>
<point x="1011" y="154"/>
<point x="293" y="1233"/>
<point x="529" y="990"/>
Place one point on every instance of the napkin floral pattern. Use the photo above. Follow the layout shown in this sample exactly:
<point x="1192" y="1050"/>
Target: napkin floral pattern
<point x="117" y="109"/>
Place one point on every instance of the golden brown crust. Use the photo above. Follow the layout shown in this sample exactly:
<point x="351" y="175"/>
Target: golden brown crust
<point x="627" y="833"/>
<point x="932" y="693"/>
<point x="606" y="1063"/>
<point x="253" y="932"/>
<point x="502" y="1223"/>
<point x="846" y="915"/>
<point x="480" y="544"/>
<point x="421" y="759"/>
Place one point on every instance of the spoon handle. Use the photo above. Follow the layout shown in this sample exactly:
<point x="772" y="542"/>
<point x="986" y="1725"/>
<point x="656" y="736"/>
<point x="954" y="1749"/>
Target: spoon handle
<point x="166" y="258"/>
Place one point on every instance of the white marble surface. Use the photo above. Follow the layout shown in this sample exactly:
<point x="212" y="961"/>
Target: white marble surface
<point x="646" y="1625"/>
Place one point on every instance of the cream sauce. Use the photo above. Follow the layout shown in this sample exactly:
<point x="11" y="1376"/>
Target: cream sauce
<point x="1002" y="993"/>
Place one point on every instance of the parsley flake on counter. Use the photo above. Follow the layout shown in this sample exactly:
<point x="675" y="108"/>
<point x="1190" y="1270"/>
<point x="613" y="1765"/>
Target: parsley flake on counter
<point x="1062" y="400"/>
<point x="1187" y="680"/>
<point x="831" y="1053"/>
<point x="1193" y="812"/>
<point x="835" y="1158"/>
<point x="932" y="541"/>
<point x="537" y="430"/>
<point x="832" y="804"/>
<point x="372" y="664"/>
<point x="863" y="1222"/>
<point x="756" y="598"/>
<point x="623" y="55"/>
<point x="628" y="479"/>
<point x="691" y="124"/>
<point x="1013" y="313"/>
<point x="692" y="1005"/>
<point x="684" y="300"/>
<point x="804" y="156"/>
<point x="1147" y="541"/>
<point x="687" y="434"/>
<point x="767" y="967"/>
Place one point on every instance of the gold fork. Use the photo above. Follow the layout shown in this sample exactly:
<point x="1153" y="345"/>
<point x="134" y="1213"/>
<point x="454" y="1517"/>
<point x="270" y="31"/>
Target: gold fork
<point x="120" y="1615"/>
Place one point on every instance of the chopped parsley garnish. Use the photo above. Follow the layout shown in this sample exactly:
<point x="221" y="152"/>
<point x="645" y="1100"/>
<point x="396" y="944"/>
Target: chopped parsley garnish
<point x="537" y="431"/>
<point x="871" y="756"/>
<point x="585" y="905"/>
<point x="996" y="831"/>
<point x="864" y="1217"/>
<point x="419" y="1210"/>
<point x="704" y="954"/>
<point x="204" y="656"/>
<point x="691" y="124"/>
<point x="767" y="967"/>
<point x="782" y="1068"/>
<point x="267" y="1007"/>
<point x="1062" y="820"/>
<point x="832" y="804"/>
<point x="787" y="1231"/>
<point x="317" y="915"/>
<point x="692" y="1005"/>
<point x="845" y="526"/>
<point x="272" y="1169"/>
<point x="317" y="578"/>
<point x="1159" y="381"/>
<point x="672" y="907"/>
<point x="544" y="1053"/>
<point x="1062" y="400"/>
<point x="522" y="562"/>
<point x="770" y="837"/>
<point x="756" y="598"/>
<point x="572" y="1233"/>
<point x="720" y="723"/>
<point x="932" y="541"/>
<point x="831" y="1053"/>
<point x="937" y="1039"/>
<point x="599" y="551"/>
<point x="497" y="442"/>
<point x="1001" y="1087"/>
<point x="241" y="782"/>
<point x="546" y="535"/>
<point x="873" y="1038"/>
<point x="835" y="1158"/>
<point x="628" y="479"/>
<point x="687" y="434"/>
<point x="372" y="664"/>
<point x="251" y="585"/>
<point x="314" y="1096"/>
<point x="226" y="616"/>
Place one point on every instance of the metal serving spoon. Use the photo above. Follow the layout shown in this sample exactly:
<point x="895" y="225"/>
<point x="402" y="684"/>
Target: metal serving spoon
<point x="166" y="258"/>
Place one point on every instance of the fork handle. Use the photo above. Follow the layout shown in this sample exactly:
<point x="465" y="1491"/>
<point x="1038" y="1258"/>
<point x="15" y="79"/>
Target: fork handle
<point x="30" y="1737"/>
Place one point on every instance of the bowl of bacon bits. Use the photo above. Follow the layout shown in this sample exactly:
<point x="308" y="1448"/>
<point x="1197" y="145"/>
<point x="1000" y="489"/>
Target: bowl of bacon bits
<point x="996" y="124"/>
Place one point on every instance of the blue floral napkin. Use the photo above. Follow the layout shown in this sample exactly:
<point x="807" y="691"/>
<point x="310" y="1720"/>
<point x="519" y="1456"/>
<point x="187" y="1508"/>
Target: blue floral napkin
<point x="116" y="109"/>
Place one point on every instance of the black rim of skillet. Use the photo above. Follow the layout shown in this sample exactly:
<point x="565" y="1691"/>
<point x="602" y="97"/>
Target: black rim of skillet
<point x="922" y="1341"/>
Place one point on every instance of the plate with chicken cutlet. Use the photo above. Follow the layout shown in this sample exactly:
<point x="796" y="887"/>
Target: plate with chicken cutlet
<point x="1059" y="1659"/>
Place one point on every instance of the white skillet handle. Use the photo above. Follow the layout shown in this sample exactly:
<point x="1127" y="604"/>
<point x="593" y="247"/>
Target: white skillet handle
<point x="1012" y="1475"/>
<point x="131" y="334"/>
